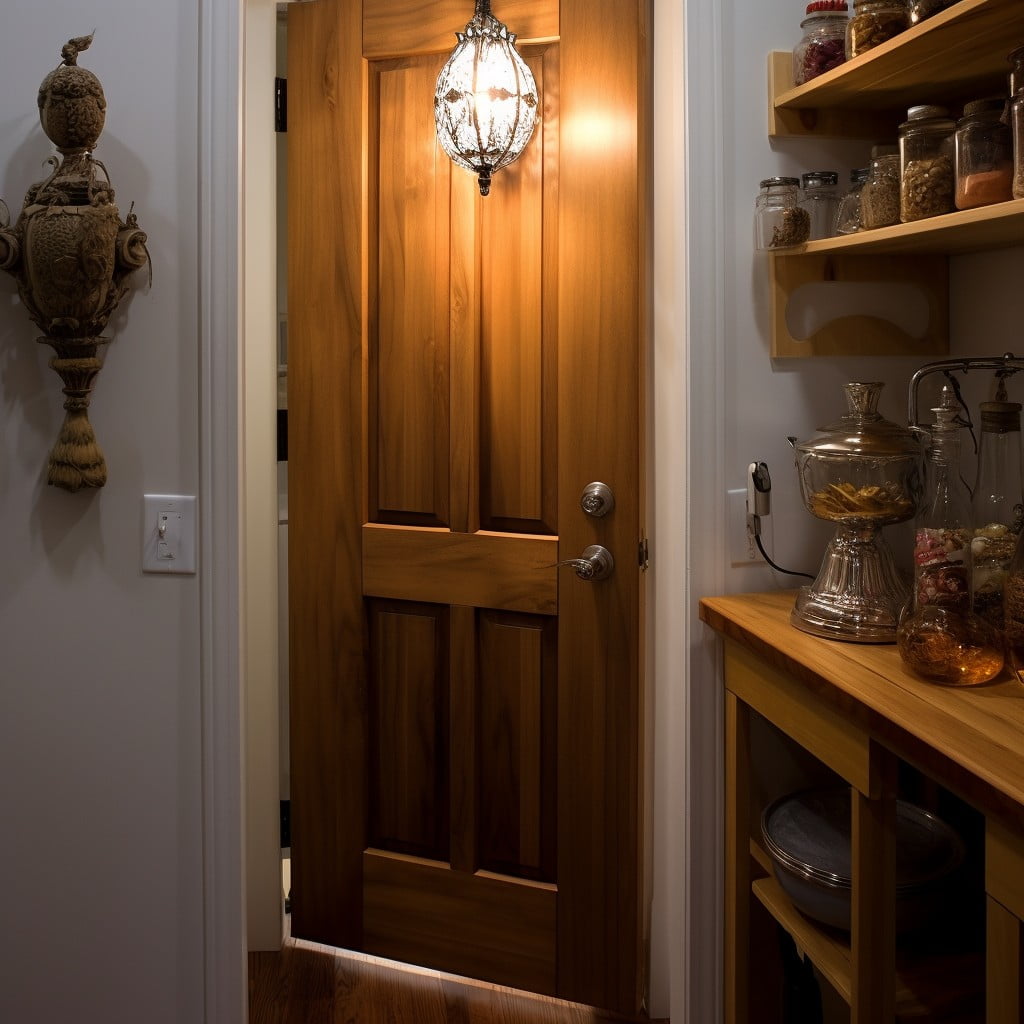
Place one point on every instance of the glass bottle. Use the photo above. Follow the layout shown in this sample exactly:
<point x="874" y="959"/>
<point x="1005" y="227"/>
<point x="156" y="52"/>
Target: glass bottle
<point x="939" y="636"/>
<point x="779" y="219"/>
<point x="926" y="163"/>
<point x="997" y="509"/>
<point x="983" y="154"/>
<point x="1017" y="124"/>
<point x="823" y="44"/>
<point x="874" y="22"/>
<point x="1016" y="76"/>
<point x="848" y="216"/>
<point x="880" y="197"/>
<point x="821" y="200"/>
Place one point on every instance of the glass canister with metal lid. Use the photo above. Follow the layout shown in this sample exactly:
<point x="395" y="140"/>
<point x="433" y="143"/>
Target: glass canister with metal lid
<point x="860" y="473"/>
<point x="926" y="163"/>
<point x="779" y="219"/>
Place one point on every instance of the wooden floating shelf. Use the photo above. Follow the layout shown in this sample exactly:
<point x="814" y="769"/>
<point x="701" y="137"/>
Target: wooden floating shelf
<point x="989" y="227"/>
<point x="957" y="55"/>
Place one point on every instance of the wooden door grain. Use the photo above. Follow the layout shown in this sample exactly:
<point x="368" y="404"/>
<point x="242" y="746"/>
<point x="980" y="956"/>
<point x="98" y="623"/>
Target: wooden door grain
<point x="467" y="778"/>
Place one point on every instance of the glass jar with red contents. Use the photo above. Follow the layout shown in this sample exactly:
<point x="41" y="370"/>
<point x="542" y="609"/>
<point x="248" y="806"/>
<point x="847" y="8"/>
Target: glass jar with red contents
<point x="939" y="635"/>
<point x="823" y="45"/>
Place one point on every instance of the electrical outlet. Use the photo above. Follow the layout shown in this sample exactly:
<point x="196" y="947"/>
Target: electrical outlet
<point x="742" y="550"/>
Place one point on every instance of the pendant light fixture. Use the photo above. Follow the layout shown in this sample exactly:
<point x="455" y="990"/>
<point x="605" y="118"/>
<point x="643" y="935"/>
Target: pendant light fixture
<point x="485" y="103"/>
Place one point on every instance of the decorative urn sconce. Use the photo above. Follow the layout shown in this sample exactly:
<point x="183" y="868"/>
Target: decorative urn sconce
<point x="71" y="255"/>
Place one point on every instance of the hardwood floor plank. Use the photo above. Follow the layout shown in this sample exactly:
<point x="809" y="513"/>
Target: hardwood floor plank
<point x="308" y="983"/>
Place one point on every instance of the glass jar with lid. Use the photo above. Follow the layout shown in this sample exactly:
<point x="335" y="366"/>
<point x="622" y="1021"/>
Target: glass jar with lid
<point x="848" y="216"/>
<point x="926" y="163"/>
<point x="823" y="44"/>
<point x="872" y="23"/>
<point x="821" y="200"/>
<point x="983" y="154"/>
<point x="779" y="218"/>
<point x="860" y="473"/>
<point x="880" y="197"/>
<point x="920" y="10"/>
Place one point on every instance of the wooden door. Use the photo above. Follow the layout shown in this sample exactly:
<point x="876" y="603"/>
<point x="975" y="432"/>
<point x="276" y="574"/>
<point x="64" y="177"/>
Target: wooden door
<point x="467" y="741"/>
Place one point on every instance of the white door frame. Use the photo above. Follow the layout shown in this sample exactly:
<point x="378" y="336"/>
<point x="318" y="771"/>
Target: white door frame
<point x="688" y="496"/>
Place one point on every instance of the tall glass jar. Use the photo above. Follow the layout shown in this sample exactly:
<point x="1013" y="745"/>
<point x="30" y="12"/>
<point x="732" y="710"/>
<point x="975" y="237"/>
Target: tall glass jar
<point x="848" y="216"/>
<point x="779" y="218"/>
<point x="872" y="23"/>
<point x="997" y="507"/>
<point x="823" y="44"/>
<point x="983" y="154"/>
<point x="880" y="197"/>
<point x="939" y="636"/>
<point x="926" y="163"/>
<point x="920" y="10"/>
<point x="821" y="200"/>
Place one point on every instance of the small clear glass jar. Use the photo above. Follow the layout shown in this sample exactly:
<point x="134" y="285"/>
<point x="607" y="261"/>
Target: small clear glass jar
<point x="821" y="200"/>
<point x="983" y="154"/>
<point x="926" y="163"/>
<point x="874" y="22"/>
<point x="920" y="10"/>
<point x="848" y="216"/>
<point x="880" y="197"/>
<point x="1017" y="125"/>
<point x="823" y="44"/>
<point x="779" y="218"/>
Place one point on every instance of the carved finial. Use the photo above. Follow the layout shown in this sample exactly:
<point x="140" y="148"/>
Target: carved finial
<point x="73" y="47"/>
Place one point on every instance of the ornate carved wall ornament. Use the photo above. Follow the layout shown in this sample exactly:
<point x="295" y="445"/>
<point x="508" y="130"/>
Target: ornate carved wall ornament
<point x="71" y="255"/>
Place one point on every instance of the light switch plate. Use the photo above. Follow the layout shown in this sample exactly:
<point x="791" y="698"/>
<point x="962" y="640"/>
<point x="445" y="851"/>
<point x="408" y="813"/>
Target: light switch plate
<point x="169" y="533"/>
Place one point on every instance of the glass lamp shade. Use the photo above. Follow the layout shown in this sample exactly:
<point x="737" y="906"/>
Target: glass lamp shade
<point x="485" y="103"/>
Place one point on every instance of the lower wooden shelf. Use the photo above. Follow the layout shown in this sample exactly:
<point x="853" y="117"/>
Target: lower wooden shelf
<point x="938" y="987"/>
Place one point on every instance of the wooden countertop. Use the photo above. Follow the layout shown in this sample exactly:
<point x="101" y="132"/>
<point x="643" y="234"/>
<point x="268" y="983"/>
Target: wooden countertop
<point x="970" y="738"/>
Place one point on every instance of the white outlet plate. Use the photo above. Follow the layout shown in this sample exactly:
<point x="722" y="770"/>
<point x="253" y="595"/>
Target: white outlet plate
<point x="742" y="549"/>
<point x="169" y="533"/>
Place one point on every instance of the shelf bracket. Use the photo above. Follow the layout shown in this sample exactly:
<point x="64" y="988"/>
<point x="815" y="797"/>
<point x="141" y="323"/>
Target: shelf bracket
<point x="822" y="320"/>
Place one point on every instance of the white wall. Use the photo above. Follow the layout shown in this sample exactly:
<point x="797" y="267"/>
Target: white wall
<point x="100" y="731"/>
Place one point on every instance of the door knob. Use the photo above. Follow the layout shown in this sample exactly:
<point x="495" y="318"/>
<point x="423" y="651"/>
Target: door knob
<point x="597" y="499"/>
<point x="596" y="563"/>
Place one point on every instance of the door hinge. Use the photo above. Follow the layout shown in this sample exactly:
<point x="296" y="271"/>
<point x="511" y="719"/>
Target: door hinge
<point x="643" y="555"/>
<point x="280" y="104"/>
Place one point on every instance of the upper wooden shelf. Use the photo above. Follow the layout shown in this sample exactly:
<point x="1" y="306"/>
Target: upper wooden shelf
<point x="989" y="227"/>
<point x="954" y="56"/>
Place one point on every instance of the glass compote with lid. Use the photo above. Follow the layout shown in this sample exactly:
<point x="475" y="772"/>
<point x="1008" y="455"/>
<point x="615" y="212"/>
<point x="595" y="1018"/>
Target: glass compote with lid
<point x="860" y="473"/>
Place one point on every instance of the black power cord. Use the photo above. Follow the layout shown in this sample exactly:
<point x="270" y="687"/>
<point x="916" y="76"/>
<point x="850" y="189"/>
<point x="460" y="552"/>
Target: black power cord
<point x="778" y="568"/>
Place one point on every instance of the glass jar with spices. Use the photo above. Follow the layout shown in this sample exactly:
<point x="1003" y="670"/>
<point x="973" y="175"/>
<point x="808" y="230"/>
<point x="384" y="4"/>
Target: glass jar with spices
<point x="848" y="216"/>
<point x="926" y="163"/>
<point x="874" y="22"/>
<point x="823" y="44"/>
<point x="920" y="10"/>
<point x="939" y="635"/>
<point x="779" y="218"/>
<point x="821" y="200"/>
<point x="880" y="197"/>
<point x="983" y="154"/>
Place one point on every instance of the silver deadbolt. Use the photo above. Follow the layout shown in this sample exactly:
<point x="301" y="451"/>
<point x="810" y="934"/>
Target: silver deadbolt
<point x="595" y="564"/>
<point x="597" y="499"/>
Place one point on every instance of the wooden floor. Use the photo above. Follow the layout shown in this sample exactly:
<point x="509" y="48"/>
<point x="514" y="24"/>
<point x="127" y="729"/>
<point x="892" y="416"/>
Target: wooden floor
<point x="308" y="983"/>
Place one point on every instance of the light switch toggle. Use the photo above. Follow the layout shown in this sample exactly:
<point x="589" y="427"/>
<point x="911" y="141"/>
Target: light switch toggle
<point x="169" y="533"/>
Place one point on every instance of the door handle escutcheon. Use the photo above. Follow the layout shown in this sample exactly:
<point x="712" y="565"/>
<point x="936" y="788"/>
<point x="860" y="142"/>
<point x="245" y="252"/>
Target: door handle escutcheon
<point x="596" y="563"/>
